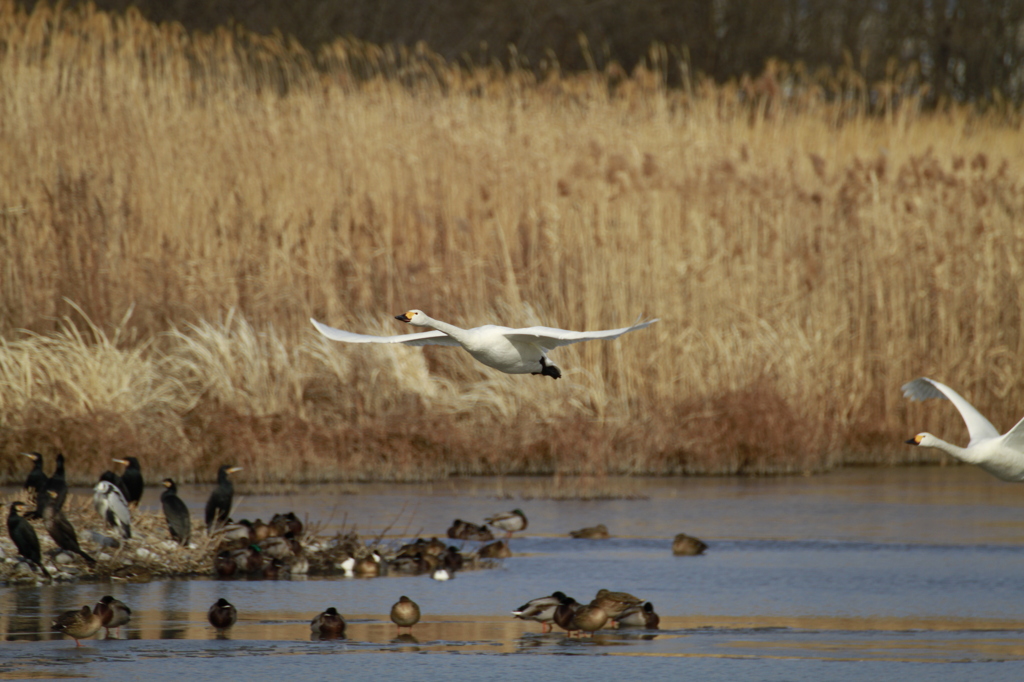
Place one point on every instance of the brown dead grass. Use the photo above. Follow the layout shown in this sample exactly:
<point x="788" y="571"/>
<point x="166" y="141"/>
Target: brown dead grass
<point x="174" y="208"/>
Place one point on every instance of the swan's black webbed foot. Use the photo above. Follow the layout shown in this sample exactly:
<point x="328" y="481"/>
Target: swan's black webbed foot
<point x="549" y="370"/>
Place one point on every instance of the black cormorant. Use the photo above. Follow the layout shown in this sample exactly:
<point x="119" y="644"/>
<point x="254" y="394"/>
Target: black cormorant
<point x="218" y="507"/>
<point x="55" y="492"/>
<point x="132" y="477"/>
<point x="176" y="513"/>
<point x="24" y="536"/>
<point x="61" y="530"/>
<point x="37" y="478"/>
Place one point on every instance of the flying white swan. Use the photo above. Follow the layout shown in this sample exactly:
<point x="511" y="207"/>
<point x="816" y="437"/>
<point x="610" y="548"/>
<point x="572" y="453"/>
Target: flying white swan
<point x="513" y="351"/>
<point x="1002" y="456"/>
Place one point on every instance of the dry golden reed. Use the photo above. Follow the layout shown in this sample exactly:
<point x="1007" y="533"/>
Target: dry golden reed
<point x="174" y="207"/>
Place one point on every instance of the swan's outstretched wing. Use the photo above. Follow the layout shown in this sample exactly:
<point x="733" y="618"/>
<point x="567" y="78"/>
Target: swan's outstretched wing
<point x="1014" y="438"/>
<point x="431" y="338"/>
<point x="549" y="337"/>
<point x="977" y="426"/>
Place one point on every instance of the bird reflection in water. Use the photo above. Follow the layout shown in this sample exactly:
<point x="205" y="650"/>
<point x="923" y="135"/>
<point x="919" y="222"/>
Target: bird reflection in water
<point x="174" y="617"/>
<point x="407" y="639"/>
<point x="25" y="623"/>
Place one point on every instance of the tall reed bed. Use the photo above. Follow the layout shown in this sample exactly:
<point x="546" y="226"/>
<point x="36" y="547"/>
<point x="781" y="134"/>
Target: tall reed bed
<point x="173" y="209"/>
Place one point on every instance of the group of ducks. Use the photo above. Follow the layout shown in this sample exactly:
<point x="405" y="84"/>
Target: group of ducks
<point x="619" y="608"/>
<point x="433" y="557"/>
<point x="259" y="549"/>
<point x="328" y="625"/>
<point x="111" y="613"/>
<point x="83" y="623"/>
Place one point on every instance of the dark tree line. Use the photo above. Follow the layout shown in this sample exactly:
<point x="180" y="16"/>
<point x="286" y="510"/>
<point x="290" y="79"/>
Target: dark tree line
<point x="962" y="49"/>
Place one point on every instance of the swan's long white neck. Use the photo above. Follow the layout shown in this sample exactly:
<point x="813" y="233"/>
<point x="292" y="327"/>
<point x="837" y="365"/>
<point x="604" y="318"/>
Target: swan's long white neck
<point x="962" y="454"/>
<point x="451" y="330"/>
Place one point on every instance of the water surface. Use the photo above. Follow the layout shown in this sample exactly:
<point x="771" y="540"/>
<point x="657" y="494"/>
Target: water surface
<point x="860" y="574"/>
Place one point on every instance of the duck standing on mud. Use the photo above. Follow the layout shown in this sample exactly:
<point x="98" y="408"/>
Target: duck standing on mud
<point x="80" y="624"/>
<point x="113" y="613"/>
<point x="510" y="522"/>
<point x="541" y="610"/>
<point x="405" y="613"/>
<point x="328" y="625"/>
<point x="222" y="614"/>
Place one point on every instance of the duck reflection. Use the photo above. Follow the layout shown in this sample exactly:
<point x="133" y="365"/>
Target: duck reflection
<point x="406" y="639"/>
<point x="26" y="622"/>
<point x="174" y="614"/>
<point x="532" y="641"/>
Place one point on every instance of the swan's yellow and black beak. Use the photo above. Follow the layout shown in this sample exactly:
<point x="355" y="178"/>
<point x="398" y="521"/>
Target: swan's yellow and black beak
<point x="916" y="440"/>
<point x="404" y="317"/>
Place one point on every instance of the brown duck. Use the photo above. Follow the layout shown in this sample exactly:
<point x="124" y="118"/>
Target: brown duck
<point x="405" y="613"/>
<point x="80" y="624"/>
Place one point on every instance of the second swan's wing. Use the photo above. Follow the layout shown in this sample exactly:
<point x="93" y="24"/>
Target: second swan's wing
<point x="978" y="427"/>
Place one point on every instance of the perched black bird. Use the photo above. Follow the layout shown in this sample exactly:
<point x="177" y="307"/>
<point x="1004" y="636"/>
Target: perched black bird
<point x="24" y="536"/>
<point x="37" y="478"/>
<point x="61" y="530"/>
<point x="55" y="491"/>
<point x="218" y="507"/>
<point x="176" y="513"/>
<point x="222" y="615"/>
<point x="112" y="477"/>
<point x="132" y="477"/>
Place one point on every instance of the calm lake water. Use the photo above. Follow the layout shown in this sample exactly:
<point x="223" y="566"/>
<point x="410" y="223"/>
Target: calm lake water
<point x="862" y="574"/>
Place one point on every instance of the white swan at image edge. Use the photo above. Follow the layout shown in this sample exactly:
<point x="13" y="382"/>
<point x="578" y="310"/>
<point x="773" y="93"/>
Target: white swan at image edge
<point x="1000" y="455"/>
<point x="513" y="351"/>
